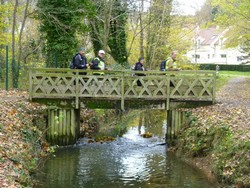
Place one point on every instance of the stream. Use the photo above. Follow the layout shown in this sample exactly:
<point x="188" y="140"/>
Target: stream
<point x="129" y="161"/>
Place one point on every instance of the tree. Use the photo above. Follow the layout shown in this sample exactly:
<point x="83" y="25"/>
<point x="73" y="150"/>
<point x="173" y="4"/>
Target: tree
<point x="159" y="21"/>
<point x="156" y="32"/>
<point x="61" y="21"/>
<point x="13" y="64"/>
<point x="234" y="14"/>
<point x="108" y="29"/>
<point x="118" y="36"/>
<point x="5" y="35"/>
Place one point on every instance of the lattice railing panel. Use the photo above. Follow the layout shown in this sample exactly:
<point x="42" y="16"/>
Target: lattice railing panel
<point x="100" y="86"/>
<point x="191" y="88"/>
<point x="149" y="87"/>
<point x="61" y="86"/>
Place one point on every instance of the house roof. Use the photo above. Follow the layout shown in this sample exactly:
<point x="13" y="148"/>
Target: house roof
<point x="210" y="36"/>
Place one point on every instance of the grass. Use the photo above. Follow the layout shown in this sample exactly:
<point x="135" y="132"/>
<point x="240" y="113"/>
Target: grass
<point x="225" y="76"/>
<point x="234" y="73"/>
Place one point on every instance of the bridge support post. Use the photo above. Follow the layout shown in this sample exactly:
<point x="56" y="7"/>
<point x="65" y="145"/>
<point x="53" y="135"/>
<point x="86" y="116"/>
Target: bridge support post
<point x="175" y="121"/>
<point x="63" y="126"/>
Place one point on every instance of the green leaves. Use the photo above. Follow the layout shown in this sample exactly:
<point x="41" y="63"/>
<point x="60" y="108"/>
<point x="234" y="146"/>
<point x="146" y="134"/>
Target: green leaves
<point x="61" y="21"/>
<point x="236" y="14"/>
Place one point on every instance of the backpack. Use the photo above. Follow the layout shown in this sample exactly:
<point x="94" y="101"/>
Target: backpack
<point x="92" y="64"/>
<point x="163" y="65"/>
<point x="72" y="63"/>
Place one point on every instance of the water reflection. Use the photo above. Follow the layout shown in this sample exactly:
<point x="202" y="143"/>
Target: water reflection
<point x="130" y="161"/>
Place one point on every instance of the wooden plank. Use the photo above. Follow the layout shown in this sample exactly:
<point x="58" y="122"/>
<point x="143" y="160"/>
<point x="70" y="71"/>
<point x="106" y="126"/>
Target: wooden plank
<point x="48" y="132"/>
<point x="68" y="126"/>
<point x="72" y="126"/>
<point x="214" y="87"/>
<point x="60" y="127"/>
<point x="64" y="124"/>
<point x="169" y="126"/>
<point x="77" y="127"/>
<point x="52" y="120"/>
<point x="122" y="93"/>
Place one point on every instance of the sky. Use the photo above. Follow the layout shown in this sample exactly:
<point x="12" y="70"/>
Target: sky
<point x="187" y="7"/>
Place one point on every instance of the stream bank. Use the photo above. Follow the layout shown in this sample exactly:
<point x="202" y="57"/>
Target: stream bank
<point x="217" y="137"/>
<point x="22" y="141"/>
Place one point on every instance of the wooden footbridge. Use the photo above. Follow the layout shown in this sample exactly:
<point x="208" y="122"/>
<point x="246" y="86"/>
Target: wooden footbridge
<point x="66" y="91"/>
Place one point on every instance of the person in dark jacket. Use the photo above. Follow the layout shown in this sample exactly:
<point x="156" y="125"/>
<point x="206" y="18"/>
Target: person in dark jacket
<point x="80" y="61"/>
<point x="139" y="66"/>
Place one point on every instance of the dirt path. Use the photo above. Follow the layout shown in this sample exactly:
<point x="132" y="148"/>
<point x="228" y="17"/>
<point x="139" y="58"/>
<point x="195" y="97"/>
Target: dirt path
<point x="232" y="106"/>
<point x="235" y="93"/>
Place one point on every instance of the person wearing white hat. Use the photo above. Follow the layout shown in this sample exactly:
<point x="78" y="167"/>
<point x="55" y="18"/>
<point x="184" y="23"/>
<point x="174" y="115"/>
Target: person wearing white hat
<point x="98" y="62"/>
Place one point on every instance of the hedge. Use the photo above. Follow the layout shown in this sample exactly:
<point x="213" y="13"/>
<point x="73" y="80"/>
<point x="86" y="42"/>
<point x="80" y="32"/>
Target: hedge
<point x="242" y="68"/>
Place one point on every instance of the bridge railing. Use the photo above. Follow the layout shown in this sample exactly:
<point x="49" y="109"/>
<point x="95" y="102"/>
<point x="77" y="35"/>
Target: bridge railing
<point x="122" y="85"/>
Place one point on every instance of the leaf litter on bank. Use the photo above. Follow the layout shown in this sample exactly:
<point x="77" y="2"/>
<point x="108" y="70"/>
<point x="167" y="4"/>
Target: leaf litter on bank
<point x="16" y="117"/>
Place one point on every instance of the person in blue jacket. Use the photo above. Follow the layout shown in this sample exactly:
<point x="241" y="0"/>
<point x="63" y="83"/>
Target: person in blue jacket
<point x="80" y="61"/>
<point x="139" y="66"/>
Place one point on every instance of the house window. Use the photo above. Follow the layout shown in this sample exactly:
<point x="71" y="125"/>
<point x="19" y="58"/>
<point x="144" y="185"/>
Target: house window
<point x="198" y="43"/>
<point x="239" y="58"/>
<point x="208" y="56"/>
<point x="223" y="55"/>
<point x="197" y="56"/>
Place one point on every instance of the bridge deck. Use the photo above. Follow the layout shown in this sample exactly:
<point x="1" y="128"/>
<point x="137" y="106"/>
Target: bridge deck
<point x="121" y="86"/>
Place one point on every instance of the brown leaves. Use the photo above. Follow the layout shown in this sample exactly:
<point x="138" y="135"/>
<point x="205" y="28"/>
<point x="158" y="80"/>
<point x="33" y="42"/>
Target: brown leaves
<point x="229" y="122"/>
<point x="16" y="115"/>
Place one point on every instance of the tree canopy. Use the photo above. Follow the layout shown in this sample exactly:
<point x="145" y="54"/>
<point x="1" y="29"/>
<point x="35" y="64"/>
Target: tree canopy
<point x="61" y="21"/>
<point x="234" y="14"/>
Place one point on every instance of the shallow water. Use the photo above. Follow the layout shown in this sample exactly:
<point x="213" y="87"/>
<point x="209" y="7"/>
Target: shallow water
<point x="130" y="161"/>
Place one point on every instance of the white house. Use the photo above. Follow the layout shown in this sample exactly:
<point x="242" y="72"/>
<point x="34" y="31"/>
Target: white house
<point x="209" y="48"/>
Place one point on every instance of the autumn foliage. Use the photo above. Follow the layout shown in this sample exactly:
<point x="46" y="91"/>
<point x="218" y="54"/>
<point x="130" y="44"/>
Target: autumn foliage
<point x="22" y="142"/>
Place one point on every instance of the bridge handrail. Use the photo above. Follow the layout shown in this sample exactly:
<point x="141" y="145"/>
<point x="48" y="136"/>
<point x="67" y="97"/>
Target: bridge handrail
<point x="117" y="71"/>
<point x="57" y="83"/>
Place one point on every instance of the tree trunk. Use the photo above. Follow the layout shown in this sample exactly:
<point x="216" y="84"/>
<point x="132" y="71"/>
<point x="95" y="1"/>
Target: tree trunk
<point x="159" y="34"/>
<point x="142" y="33"/>
<point x="108" y="10"/>
<point x="20" y="38"/>
<point x="14" y="68"/>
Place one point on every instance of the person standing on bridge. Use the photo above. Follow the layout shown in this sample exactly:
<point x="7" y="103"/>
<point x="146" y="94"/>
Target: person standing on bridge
<point x="170" y="63"/>
<point x="139" y="66"/>
<point x="79" y="61"/>
<point x="98" y="63"/>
